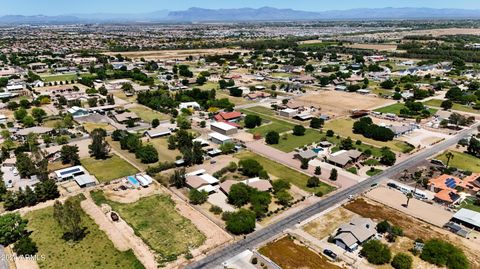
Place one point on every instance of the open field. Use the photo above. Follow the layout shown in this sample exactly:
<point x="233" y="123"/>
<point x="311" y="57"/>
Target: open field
<point x="395" y="109"/>
<point x="60" y="77"/>
<point x="292" y="142"/>
<point x="238" y="101"/>
<point x="93" y="251"/>
<point x="412" y="227"/>
<point x="174" y="54"/>
<point x="328" y="102"/>
<point x="462" y="161"/>
<point x="344" y="127"/>
<point x="280" y="171"/>
<point x="289" y="254"/>
<point x="379" y="47"/>
<point x="109" y="169"/>
<point x="327" y="224"/>
<point x="156" y="221"/>
<point x="164" y="154"/>
<point x="458" y="107"/>
<point x="147" y="114"/>
<point x="274" y="124"/>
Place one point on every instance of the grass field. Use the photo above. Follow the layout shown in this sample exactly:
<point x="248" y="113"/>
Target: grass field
<point x="469" y="203"/>
<point x="235" y="100"/>
<point x="61" y="77"/>
<point x="109" y="169"/>
<point x="274" y="124"/>
<point x="373" y="172"/>
<point x="148" y="114"/>
<point x="294" y="141"/>
<point x="287" y="254"/>
<point x="462" y="161"/>
<point x="395" y="109"/>
<point x="343" y="127"/>
<point x="156" y="221"/>
<point x="90" y="126"/>
<point x="459" y="107"/>
<point x="93" y="251"/>
<point x="280" y="171"/>
<point x="164" y="154"/>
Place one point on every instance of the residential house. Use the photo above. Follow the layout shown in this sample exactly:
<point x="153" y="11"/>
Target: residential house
<point x="256" y="183"/>
<point x="351" y="235"/>
<point x="344" y="157"/>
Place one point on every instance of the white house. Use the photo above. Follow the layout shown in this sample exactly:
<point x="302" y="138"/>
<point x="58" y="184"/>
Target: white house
<point x="188" y="105"/>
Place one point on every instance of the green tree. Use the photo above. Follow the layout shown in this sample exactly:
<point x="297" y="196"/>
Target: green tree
<point x="250" y="167"/>
<point x="252" y="121"/>
<point x="69" y="154"/>
<point x="318" y="170"/>
<point x="12" y="228"/>
<point x="313" y="182"/>
<point x="280" y="185"/>
<point x="19" y="114"/>
<point x="155" y="123"/>
<point x="178" y="178"/>
<point x="316" y="123"/>
<point x="333" y="175"/>
<point x="272" y="138"/>
<point x="99" y="147"/>
<point x="402" y="261"/>
<point x="197" y="197"/>
<point x="241" y="222"/>
<point x="376" y="252"/>
<point x="68" y="216"/>
<point x="449" y="155"/>
<point x="283" y="197"/>
<point x="383" y="227"/>
<point x="447" y="104"/>
<point x="227" y="148"/>
<point x="39" y="114"/>
<point x="298" y="130"/>
<point x="25" y="246"/>
<point x="28" y="121"/>
<point x="388" y="157"/>
<point x="147" y="154"/>
<point x="443" y="253"/>
<point x="239" y="194"/>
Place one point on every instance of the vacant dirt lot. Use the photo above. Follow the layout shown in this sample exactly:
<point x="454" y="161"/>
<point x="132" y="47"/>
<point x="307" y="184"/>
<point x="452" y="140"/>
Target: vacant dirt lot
<point x="174" y="54"/>
<point x="327" y="224"/>
<point x="414" y="228"/>
<point x="337" y="104"/>
<point x="379" y="47"/>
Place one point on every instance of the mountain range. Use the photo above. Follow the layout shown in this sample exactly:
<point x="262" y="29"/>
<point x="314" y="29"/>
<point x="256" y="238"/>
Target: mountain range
<point x="247" y="14"/>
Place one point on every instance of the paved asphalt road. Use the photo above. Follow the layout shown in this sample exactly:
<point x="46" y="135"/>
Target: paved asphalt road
<point x="258" y="237"/>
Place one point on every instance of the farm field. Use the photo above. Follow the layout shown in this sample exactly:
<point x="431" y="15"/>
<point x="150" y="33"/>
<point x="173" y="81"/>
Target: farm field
<point x="328" y="102"/>
<point x="147" y="114"/>
<point x="461" y="160"/>
<point x="109" y="169"/>
<point x="280" y="171"/>
<point x="289" y="254"/>
<point x="93" y="251"/>
<point x="344" y="127"/>
<point x="395" y="109"/>
<point x="458" y="107"/>
<point x="155" y="220"/>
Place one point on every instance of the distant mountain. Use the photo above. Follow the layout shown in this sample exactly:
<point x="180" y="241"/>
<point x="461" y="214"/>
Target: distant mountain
<point x="247" y="14"/>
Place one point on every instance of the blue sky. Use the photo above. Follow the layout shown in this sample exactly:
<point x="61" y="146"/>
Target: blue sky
<point x="55" y="7"/>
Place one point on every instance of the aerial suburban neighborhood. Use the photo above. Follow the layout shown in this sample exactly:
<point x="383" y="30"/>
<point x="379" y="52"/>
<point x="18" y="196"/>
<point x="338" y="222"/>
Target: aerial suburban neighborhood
<point x="211" y="138"/>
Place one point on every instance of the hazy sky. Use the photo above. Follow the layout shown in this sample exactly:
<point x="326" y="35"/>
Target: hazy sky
<point x="55" y="7"/>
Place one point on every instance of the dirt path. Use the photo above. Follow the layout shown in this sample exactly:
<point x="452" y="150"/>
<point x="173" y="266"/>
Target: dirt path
<point x="121" y="234"/>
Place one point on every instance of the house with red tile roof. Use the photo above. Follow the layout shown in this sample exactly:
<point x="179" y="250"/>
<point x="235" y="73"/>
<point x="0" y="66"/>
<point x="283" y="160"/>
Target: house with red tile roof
<point x="447" y="188"/>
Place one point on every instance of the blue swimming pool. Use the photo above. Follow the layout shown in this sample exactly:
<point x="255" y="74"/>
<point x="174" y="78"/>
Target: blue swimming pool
<point x="134" y="181"/>
<point x="317" y="150"/>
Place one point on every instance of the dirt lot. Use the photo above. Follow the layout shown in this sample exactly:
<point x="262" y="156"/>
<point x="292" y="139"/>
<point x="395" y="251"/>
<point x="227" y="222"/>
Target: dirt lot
<point x="414" y="228"/>
<point x="174" y="54"/>
<point x="328" y="102"/>
<point x="379" y="47"/>
<point x="289" y="254"/>
<point x="327" y="224"/>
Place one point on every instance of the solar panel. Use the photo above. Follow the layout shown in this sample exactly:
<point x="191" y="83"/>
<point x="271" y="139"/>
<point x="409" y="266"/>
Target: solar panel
<point x="71" y="171"/>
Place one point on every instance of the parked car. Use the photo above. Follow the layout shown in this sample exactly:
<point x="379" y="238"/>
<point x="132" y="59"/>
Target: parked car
<point x="330" y="253"/>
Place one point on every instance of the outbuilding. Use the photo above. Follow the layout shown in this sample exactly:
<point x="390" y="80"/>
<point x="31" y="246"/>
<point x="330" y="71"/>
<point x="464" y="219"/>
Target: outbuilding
<point x="223" y="128"/>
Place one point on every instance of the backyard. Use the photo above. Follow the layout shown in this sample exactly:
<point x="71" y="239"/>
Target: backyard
<point x="106" y="170"/>
<point x="93" y="251"/>
<point x="344" y="127"/>
<point x="147" y="114"/>
<point x="461" y="160"/>
<point x="292" y="141"/>
<point x="90" y="126"/>
<point x="289" y="254"/>
<point x="459" y="107"/>
<point x="270" y="121"/>
<point x="280" y="171"/>
<point x="157" y="222"/>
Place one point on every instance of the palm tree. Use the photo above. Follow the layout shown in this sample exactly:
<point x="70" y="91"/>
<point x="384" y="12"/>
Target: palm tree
<point x="449" y="156"/>
<point x="409" y="196"/>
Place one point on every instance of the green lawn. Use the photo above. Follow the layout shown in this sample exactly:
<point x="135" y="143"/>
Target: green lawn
<point x="164" y="154"/>
<point x="156" y="221"/>
<point x="280" y="171"/>
<point x="395" y="109"/>
<point x="459" y="107"/>
<point x="93" y="251"/>
<point x="462" y="161"/>
<point x="373" y="172"/>
<point x="261" y="110"/>
<point x="292" y="142"/>
<point x="109" y="169"/>
<point x="148" y="114"/>
<point x="344" y="127"/>
<point x="60" y="77"/>
<point x="352" y="170"/>
<point x="274" y="124"/>
<point x="469" y="203"/>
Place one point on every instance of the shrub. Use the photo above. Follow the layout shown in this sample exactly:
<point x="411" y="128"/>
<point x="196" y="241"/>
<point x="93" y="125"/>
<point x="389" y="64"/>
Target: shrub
<point x="402" y="261"/>
<point x="442" y="253"/>
<point x="25" y="246"/>
<point x="383" y="227"/>
<point x="376" y="252"/>
<point x="241" y="222"/>
<point x="216" y="210"/>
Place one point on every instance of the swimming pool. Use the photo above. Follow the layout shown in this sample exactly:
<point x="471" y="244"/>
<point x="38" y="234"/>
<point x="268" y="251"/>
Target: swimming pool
<point x="317" y="150"/>
<point x="134" y="181"/>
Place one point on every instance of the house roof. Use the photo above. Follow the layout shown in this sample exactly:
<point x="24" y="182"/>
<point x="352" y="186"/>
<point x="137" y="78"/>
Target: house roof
<point x="448" y="182"/>
<point x="125" y="116"/>
<point x="219" y="137"/>
<point x="228" y="115"/>
<point x="468" y="216"/>
<point x="196" y="182"/>
<point x="223" y="126"/>
<point x="307" y="154"/>
<point x="36" y="129"/>
<point x="447" y="195"/>
<point x="159" y="131"/>
<point x="257" y="183"/>
<point x="360" y="229"/>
